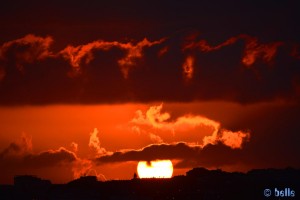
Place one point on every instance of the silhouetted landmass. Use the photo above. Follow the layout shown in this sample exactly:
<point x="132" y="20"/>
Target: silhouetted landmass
<point x="199" y="183"/>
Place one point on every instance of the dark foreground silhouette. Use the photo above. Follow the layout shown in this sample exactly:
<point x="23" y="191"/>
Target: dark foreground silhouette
<point x="199" y="183"/>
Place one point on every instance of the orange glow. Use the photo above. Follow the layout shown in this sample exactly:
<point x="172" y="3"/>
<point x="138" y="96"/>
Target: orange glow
<point x="254" y="50"/>
<point x="188" y="68"/>
<point x="234" y="139"/>
<point x="87" y="132"/>
<point x="155" y="169"/>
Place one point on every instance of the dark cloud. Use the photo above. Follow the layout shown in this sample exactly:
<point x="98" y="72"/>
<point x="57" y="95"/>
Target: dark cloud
<point x="18" y="148"/>
<point x="214" y="156"/>
<point x="190" y="156"/>
<point x="49" y="158"/>
<point x="253" y="50"/>
<point x="246" y="51"/>
<point x="152" y="152"/>
<point x="20" y="154"/>
<point x="26" y="50"/>
<point x="237" y="71"/>
<point x="61" y="163"/>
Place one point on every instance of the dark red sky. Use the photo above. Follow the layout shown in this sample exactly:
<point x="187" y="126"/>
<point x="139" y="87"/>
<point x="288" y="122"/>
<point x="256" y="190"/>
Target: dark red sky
<point x="195" y="67"/>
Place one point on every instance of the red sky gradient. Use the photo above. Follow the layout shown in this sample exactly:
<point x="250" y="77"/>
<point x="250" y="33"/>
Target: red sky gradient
<point x="97" y="87"/>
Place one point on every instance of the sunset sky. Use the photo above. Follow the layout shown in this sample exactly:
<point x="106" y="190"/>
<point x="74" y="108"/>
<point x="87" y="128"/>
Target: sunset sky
<point x="94" y="87"/>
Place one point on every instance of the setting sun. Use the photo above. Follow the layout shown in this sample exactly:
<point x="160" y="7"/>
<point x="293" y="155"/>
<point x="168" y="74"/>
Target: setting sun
<point x="155" y="169"/>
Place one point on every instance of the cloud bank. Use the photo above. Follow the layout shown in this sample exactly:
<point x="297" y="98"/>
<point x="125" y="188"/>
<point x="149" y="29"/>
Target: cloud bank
<point x="19" y="158"/>
<point x="124" y="71"/>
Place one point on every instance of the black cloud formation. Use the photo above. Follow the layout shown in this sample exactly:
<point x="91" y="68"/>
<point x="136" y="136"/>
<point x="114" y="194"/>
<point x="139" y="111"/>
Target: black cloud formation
<point x="20" y="154"/>
<point x="189" y="156"/>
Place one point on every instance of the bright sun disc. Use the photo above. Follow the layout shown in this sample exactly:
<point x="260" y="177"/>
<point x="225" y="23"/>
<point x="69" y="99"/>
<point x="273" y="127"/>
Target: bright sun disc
<point x="155" y="169"/>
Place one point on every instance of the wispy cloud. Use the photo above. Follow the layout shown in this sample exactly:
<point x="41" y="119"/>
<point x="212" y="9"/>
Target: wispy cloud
<point x="155" y="118"/>
<point x="253" y="49"/>
<point x="94" y="143"/>
<point x="76" y="55"/>
<point x="84" y="53"/>
<point x="203" y="45"/>
<point x="134" y="52"/>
